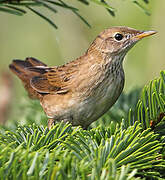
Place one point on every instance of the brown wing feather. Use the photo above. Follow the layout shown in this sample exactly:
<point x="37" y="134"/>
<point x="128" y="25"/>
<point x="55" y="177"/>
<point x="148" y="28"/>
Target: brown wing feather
<point x="56" y="80"/>
<point x="52" y="81"/>
<point x="41" y="84"/>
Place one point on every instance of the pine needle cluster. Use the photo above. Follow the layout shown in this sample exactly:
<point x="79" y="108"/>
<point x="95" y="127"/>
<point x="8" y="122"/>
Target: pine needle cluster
<point x="126" y="143"/>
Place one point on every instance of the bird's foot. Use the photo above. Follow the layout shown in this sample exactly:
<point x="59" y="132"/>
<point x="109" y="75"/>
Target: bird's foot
<point x="50" y="123"/>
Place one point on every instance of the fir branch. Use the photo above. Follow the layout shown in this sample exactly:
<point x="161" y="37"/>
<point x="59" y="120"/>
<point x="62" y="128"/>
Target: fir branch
<point x="33" y="151"/>
<point x="18" y="7"/>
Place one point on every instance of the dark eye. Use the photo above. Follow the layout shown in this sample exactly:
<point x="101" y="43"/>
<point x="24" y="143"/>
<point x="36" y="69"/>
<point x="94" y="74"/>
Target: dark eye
<point x="118" y="37"/>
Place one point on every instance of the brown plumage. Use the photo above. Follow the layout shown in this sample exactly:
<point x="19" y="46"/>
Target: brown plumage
<point x="84" y="89"/>
<point x="20" y="68"/>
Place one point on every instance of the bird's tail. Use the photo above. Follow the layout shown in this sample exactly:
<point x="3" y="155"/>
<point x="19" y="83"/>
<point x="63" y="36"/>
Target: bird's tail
<point x="21" y="69"/>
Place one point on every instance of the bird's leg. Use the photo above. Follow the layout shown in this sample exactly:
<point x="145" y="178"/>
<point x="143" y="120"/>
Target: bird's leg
<point x="50" y="123"/>
<point x="85" y="127"/>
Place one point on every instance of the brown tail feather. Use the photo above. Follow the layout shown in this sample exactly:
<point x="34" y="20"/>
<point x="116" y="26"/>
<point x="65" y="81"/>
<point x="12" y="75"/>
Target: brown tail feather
<point x="35" y="62"/>
<point x="20" y="68"/>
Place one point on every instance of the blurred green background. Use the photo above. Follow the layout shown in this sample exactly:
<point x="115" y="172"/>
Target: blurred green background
<point x="29" y="35"/>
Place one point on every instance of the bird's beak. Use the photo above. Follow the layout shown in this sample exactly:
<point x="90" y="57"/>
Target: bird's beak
<point x="143" y="34"/>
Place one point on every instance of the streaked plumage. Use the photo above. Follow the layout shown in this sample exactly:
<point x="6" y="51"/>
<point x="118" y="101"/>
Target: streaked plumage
<point x="84" y="89"/>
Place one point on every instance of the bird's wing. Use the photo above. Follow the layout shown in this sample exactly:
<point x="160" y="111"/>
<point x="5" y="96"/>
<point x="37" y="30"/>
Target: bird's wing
<point x="54" y="80"/>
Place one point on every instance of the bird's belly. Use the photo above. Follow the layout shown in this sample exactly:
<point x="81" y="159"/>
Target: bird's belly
<point x="95" y="106"/>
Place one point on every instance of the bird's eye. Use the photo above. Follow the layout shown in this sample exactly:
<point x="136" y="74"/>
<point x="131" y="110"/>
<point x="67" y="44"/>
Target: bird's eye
<point x="118" y="37"/>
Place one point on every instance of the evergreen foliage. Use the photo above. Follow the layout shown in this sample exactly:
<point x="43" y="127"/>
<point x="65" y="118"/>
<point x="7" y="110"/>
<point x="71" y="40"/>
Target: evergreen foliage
<point x="129" y="147"/>
<point x="19" y="7"/>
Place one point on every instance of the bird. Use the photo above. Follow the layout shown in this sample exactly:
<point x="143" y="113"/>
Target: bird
<point x="82" y="90"/>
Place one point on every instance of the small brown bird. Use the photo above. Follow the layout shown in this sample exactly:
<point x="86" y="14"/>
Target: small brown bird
<point x="82" y="90"/>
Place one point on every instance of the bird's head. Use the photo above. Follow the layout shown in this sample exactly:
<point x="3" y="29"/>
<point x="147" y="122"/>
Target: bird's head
<point x="118" y="40"/>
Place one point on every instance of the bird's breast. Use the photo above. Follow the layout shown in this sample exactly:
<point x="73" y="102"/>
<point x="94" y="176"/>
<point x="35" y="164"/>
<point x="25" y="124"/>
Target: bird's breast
<point x="102" y="97"/>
